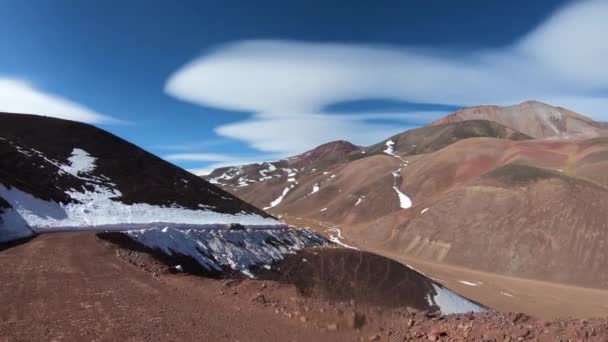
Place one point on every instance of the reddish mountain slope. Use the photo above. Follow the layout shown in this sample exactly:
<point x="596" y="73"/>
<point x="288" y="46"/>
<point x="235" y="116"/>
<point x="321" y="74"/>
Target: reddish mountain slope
<point x="536" y="119"/>
<point x="482" y="195"/>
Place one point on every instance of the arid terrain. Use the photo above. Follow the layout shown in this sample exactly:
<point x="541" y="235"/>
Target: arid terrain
<point x="464" y="230"/>
<point x="505" y="205"/>
<point x="97" y="292"/>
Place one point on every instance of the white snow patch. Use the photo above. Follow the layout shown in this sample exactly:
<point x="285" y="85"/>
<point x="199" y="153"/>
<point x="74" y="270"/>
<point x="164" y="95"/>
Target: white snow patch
<point x="323" y="209"/>
<point x="315" y="188"/>
<point x="98" y="208"/>
<point x="424" y="210"/>
<point x="451" y="303"/>
<point x="506" y="294"/>
<point x="404" y="201"/>
<point x="80" y="162"/>
<point x="390" y="150"/>
<point x="468" y="283"/>
<point x="291" y="180"/>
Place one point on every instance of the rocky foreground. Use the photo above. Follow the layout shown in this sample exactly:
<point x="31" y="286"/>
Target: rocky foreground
<point x="351" y="320"/>
<point x="74" y="287"/>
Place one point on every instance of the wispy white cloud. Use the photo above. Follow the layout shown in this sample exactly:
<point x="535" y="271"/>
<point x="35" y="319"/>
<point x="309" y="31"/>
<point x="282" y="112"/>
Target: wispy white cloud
<point x="207" y="157"/>
<point x="287" y="84"/>
<point x="192" y="146"/>
<point x="292" y="134"/>
<point x="18" y="96"/>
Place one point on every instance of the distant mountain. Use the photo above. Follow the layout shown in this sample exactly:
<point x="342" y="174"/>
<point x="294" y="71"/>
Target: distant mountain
<point x="533" y="118"/>
<point x="320" y="157"/>
<point x="464" y="191"/>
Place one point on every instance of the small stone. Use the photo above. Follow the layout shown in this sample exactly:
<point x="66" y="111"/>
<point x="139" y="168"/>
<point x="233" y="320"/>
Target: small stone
<point x="303" y="319"/>
<point x="258" y="297"/>
<point x="411" y="323"/>
<point x="332" y="327"/>
<point x="432" y="338"/>
<point x="375" y="338"/>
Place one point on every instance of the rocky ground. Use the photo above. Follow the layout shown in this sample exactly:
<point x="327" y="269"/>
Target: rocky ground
<point x="75" y="287"/>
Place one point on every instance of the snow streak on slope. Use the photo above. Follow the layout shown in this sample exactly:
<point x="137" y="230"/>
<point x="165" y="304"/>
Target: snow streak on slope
<point x="279" y="199"/>
<point x="451" y="303"/>
<point x="404" y="201"/>
<point x="218" y="250"/>
<point x="359" y="200"/>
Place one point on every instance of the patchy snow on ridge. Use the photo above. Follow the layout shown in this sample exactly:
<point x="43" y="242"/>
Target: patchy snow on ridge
<point x="98" y="208"/>
<point x="404" y="201"/>
<point x="451" y="303"/>
<point x="315" y="188"/>
<point x="227" y="175"/>
<point x="219" y="249"/>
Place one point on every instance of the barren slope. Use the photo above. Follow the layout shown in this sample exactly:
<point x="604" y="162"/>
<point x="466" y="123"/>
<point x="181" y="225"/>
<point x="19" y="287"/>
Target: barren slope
<point x="454" y="194"/>
<point x="533" y="118"/>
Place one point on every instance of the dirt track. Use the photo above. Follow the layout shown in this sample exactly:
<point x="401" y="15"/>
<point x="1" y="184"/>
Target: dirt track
<point x="69" y="287"/>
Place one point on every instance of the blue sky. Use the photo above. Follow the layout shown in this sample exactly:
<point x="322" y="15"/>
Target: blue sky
<point x="205" y="84"/>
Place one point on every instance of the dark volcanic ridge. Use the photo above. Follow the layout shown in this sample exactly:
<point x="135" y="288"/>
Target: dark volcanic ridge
<point x="35" y="157"/>
<point x="325" y="273"/>
<point x="61" y="175"/>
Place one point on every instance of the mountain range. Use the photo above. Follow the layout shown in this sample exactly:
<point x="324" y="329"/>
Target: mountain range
<point x="518" y="190"/>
